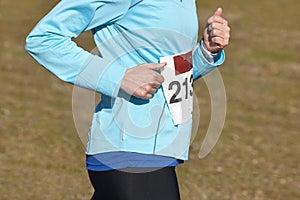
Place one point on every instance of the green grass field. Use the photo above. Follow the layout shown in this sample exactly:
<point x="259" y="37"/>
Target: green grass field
<point x="256" y="158"/>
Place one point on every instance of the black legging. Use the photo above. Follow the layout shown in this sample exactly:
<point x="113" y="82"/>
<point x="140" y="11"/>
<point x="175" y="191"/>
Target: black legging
<point x="159" y="184"/>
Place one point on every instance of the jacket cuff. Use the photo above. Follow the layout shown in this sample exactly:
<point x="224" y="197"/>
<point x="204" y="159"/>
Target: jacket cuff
<point x="201" y="65"/>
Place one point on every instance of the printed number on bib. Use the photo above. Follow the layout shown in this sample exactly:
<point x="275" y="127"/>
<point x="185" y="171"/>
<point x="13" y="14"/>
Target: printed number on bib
<point x="178" y="86"/>
<point x="187" y="86"/>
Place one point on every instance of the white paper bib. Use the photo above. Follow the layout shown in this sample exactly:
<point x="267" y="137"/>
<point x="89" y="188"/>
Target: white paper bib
<point x="178" y="86"/>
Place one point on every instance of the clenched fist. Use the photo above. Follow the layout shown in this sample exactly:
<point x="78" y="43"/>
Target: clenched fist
<point x="143" y="80"/>
<point x="217" y="32"/>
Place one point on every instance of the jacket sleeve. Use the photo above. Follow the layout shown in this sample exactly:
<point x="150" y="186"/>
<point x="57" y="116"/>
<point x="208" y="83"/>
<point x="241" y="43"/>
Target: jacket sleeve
<point x="50" y="43"/>
<point x="201" y="65"/>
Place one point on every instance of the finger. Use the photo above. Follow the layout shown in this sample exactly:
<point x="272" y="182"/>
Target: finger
<point x="220" y="42"/>
<point x="155" y="84"/>
<point x="219" y="33"/>
<point x="148" y="96"/>
<point x="217" y="19"/>
<point x="156" y="66"/>
<point x="159" y="78"/>
<point x="219" y="26"/>
<point x="143" y="94"/>
<point x="218" y="12"/>
<point x="149" y="89"/>
<point x="153" y="91"/>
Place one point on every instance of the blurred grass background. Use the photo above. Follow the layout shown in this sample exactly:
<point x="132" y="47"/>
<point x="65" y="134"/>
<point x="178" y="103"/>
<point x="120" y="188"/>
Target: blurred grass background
<point x="257" y="156"/>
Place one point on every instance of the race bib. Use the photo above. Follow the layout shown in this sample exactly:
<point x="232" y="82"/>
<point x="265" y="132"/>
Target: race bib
<point x="178" y="86"/>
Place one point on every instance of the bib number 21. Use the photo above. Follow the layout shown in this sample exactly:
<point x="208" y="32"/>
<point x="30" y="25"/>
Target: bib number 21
<point x="176" y="86"/>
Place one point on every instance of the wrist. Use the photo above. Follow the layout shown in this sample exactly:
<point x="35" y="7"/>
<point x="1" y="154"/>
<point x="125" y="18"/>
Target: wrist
<point x="210" y="47"/>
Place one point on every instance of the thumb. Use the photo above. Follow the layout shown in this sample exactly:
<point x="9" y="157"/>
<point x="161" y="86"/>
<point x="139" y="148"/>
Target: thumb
<point x="218" y="12"/>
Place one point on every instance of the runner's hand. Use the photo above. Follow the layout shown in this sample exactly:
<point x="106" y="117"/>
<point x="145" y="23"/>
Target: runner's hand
<point x="142" y="81"/>
<point x="217" y="32"/>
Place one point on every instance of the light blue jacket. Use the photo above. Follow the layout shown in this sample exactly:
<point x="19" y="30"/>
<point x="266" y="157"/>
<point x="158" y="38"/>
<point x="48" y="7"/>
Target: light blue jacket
<point x="127" y="33"/>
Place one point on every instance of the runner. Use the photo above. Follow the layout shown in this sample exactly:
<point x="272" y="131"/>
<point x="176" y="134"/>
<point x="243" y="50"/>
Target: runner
<point x="148" y="59"/>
